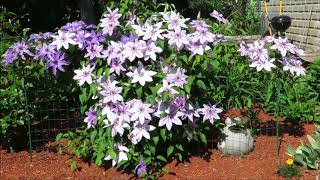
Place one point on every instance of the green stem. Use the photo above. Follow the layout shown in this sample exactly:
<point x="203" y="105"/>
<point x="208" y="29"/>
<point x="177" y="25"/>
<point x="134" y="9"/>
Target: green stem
<point x="27" y="116"/>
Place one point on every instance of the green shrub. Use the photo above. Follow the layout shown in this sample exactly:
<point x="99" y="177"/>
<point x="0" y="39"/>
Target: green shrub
<point x="308" y="155"/>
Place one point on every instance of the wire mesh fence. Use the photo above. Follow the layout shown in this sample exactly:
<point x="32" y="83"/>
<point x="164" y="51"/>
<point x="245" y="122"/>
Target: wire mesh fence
<point x="51" y="115"/>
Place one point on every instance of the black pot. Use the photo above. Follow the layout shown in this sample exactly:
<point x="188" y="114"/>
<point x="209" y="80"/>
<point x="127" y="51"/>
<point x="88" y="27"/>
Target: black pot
<point x="281" y="23"/>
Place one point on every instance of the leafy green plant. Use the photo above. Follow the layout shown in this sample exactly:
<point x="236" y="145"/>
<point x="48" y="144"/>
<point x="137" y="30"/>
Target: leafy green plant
<point x="288" y="171"/>
<point x="308" y="155"/>
<point x="73" y="165"/>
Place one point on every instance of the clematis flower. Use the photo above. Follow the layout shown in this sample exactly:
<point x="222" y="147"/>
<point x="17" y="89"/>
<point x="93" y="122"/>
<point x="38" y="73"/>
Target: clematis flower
<point x="172" y="117"/>
<point x="121" y="154"/>
<point x="133" y="50"/>
<point x="141" y="112"/>
<point x="210" y="112"/>
<point x="215" y="14"/>
<point x="110" y="21"/>
<point x="257" y="50"/>
<point x="123" y="112"/>
<point x="116" y="66"/>
<point x="44" y="52"/>
<point x="178" y="79"/>
<point x="244" y="49"/>
<point x="152" y="32"/>
<point x="57" y="61"/>
<point x="9" y="56"/>
<point x="118" y="125"/>
<point x="21" y="48"/>
<point x="74" y="27"/>
<point x="91" y="118"/>
<point x="196" y="47"/>
<point x="141" y="168"/>
<point x="94" y="52"/>
<point x="202" y="35"/>
<point x="141" y="130"/>
<point x="131" y="18"/>
<point x="111" y="94"/>
<point x="199" y="24"/>
<point x="141" y="75"/>
<point x="84" y="75"/>
<point x="174" y="21"/>
<point x="282" y="45"/>
<point x="293" y="65"/>
<point x="178" y="38"/>
<point x="263" y="63"/>
<point x="151" y="50"/>
<point x="63" y="39"/>
<point x="190" y="112"/>
<point x="166" y="87"/>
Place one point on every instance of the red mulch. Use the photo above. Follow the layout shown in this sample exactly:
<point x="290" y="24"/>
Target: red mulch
<point x="259" y="164"/>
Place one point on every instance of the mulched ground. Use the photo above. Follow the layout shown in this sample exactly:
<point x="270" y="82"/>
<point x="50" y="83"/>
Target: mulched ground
<point x="259" y="164"/>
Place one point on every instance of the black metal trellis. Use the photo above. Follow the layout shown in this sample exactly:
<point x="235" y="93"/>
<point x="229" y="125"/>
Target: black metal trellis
<point x="49" y="114"/>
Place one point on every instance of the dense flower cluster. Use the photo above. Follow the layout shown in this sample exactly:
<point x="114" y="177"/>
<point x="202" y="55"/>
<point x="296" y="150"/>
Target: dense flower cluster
<point x="258" y="53"/>
<point x="137" y="60"/>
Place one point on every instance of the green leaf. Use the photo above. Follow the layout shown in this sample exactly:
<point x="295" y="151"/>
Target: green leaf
<point x="112" y="153"/>
<point x="314" y="143"/>
<point x="100" y="71"/>
<point x="203" y="138"/>
<point x="152" y="149"/>
<point x="155" y="139"/>
<point x="170" y="150"/>
<point x="179" y="146"/>
<point x="165" y="96"/>
<point x="147" y="152"/>
<point x="93" y="135"/>
<point x="59" y="136"/>
<point x="139" y="91"/>
<point x="179" y="156"/>
<point x="201" y="84"/>
<point x="290" y="151"/>
<point x="161" y="158"/>
<point x="163" y="134"/>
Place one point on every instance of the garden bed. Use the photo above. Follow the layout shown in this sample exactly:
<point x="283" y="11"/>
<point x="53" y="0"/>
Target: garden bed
<point x="259" y="164"/>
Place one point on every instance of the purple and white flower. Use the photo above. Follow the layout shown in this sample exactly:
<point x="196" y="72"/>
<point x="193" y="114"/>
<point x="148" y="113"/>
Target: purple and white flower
<point x="91" y="118"/>
<point x="178" y="78"/>
<point x="263" y="63"/>
<point x="141" y="75"/>
<point x="21" y="48"/>
<point x="151" y="50"/>
<point x="293" y="65"/>
<point x="84" y="75"/>
<point x="63" y="39"/>
<point x="166" y="87"/>
<point x="121" y="154"/>
<point x="178" y="38"/>
<point x="141" y="112"/>
<point x="94" y="51"/>
<point x="111" y="93"/>
<point x="118" y="125"/>
<point x="141" y="130"/>
<point x="110" y="21"/>
<point x="215" y="14"/>
<point x="210" y="112"/>
<point x="172" y="117"/>
<point x="133" y="50"/>
<point x="56" y="62"/>
<point x="174" y="20"/>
